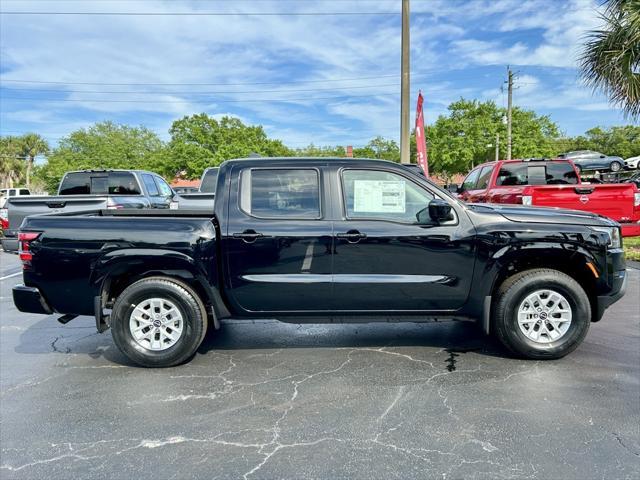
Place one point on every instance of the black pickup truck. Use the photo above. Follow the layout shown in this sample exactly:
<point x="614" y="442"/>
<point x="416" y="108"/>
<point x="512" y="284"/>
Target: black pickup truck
<point x="323" y="240"/>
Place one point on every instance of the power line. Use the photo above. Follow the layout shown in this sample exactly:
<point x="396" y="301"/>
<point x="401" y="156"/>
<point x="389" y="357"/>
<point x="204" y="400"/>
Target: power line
<point x="205" y="84"/>
<point x="169" y="92"/>
<point x="205" y="14"/>
<point x="191" y="101"/>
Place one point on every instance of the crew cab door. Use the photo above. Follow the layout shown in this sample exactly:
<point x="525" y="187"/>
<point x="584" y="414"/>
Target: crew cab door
<point x="385" y="259"/>
<point x="278" y="240"/>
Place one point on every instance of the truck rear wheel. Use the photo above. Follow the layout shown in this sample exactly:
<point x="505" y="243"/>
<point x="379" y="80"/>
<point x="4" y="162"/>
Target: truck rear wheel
<point x="158" y="322"/>
<point x="541" y="314"/>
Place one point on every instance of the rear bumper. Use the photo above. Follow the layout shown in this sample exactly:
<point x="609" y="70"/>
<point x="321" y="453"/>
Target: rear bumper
<point x="617" y="292"/>
<point x="630" y="229"/>
<point x="30" y="300"/>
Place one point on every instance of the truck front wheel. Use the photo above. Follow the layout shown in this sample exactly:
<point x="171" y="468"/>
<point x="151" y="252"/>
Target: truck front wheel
<point x="158" y="322"/>
<point x="541" y="314"/>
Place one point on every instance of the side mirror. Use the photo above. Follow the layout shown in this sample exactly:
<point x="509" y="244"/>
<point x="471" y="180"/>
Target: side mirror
<point x="440" y="211"/>
<point x="453" y="188"/>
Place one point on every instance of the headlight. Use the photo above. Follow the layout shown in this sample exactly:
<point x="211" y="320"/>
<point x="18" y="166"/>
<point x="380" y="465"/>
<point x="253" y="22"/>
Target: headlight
<point x="614" y="235"/>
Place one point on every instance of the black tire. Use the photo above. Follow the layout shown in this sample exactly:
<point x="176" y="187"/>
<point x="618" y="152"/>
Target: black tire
<point x="512" y="293"/>
<point x="187" y="301"/>
<point x="615" y="166"/>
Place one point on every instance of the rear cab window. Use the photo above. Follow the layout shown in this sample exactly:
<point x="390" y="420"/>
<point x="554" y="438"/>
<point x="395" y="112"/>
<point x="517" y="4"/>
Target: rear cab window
<point x="536" y="173"/>
<point x="280" y="193"/>
<point x="99" y="183"/>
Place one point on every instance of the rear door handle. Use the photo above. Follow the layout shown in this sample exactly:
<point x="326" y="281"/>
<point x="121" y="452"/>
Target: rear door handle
<point x="248" y="236"/>
<point x="352" y="236"/>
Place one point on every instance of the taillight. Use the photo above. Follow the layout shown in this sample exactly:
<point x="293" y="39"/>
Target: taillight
<point x="636" y="199"/>
<point x="24" y="250"/>
<point x="527" y="200"/>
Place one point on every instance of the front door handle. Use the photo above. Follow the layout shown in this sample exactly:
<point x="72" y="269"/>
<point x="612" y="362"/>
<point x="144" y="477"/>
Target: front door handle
<point x="352" y="236"/>
<point x="248" y="236"/>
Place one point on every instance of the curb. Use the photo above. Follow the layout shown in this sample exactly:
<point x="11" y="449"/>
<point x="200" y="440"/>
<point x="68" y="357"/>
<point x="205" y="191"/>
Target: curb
<point x="633" y="264"/>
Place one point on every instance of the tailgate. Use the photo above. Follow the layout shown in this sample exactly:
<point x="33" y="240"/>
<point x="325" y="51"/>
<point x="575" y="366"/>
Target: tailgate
<point x="615" y="201"/>
<point x="19" y="208"/>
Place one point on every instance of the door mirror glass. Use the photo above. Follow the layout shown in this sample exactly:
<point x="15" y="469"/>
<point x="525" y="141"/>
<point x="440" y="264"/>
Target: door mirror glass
<point x="440" y="211"/>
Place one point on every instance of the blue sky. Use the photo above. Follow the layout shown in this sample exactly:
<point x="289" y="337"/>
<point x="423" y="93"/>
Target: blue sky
<point x="326" y="79"/>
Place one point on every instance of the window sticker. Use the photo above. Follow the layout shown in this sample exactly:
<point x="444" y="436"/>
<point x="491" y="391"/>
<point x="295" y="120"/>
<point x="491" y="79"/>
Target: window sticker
<point x="377" y="196"/>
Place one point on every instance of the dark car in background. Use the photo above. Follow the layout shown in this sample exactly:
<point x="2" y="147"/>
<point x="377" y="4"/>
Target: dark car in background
<point x="591" y="160"/>
<point x="90" y="190"/>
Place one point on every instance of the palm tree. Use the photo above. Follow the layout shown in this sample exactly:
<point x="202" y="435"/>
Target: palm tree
<point x="32" y="146"/>
<point x="611" y="57"/>
<point x="11" y="164"/>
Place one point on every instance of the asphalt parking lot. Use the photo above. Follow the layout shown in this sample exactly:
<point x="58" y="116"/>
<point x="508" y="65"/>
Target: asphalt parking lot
<point x="271" y="400"/>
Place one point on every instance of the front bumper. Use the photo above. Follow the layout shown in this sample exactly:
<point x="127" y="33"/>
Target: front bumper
<point x="30" y="300"/>
<point x="618" y="291"/>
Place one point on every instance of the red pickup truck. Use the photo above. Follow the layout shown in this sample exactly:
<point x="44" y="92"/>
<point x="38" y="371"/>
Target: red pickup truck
<point x="552" y="183"/>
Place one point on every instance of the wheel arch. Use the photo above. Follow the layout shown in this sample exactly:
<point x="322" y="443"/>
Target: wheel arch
<point x="117" y="270"/>
<point x="579" y="264"/>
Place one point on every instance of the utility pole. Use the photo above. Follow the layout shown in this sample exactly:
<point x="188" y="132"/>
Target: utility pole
<point x="497" y="147"/>
<point x="405" y="86"/>
<point x="509" y="104"/>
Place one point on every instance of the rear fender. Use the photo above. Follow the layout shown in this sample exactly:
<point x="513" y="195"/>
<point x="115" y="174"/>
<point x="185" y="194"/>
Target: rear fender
<point x="117" y="269"/>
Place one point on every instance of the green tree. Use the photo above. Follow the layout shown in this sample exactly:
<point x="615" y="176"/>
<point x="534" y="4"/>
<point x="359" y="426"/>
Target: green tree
<point x="200" y="141"/>
<point x="32" y="145"/>
<point x="320" y="151"/>
<point x="611" y="57"/>
<point x="104" y="145"/>
<point x="466" y="136"/>
<point x="623" y="141"/>
<point x="12" y="165"/>
<point x="381" y="148"/>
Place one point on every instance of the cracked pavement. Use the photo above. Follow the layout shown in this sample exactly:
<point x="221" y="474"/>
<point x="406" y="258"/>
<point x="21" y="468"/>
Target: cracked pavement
<point x="270" y="400"/>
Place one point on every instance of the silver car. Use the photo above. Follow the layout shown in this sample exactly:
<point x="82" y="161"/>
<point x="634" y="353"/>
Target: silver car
<point x="591" y="160"/>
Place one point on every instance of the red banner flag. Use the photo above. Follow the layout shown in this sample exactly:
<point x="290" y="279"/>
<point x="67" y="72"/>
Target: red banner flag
<point x="421" y="143"/>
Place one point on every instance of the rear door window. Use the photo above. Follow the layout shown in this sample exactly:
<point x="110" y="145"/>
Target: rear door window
<point x="150" y="184"/>
<point x="123" y="183"/>
<point x="280" y="193"/>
